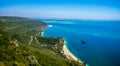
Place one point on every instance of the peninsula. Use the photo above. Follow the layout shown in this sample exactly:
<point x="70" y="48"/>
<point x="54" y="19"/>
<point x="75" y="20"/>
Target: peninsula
<point x="22" y="44"/>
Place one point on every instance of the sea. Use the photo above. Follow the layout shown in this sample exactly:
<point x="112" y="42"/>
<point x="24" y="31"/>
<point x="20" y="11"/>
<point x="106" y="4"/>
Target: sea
<point x="101" y="39"/>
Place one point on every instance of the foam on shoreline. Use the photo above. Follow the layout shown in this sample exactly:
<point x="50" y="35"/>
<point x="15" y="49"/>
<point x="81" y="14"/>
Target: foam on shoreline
<point x="42" y="33"/>
<point x="68" y="54"/>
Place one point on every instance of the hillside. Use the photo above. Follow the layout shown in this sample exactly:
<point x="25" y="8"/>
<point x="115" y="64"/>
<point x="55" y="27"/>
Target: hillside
<point x="21" y="44"/>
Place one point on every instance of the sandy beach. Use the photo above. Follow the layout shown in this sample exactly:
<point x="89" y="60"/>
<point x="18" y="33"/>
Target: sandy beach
<point x="68" y="54"/>
<point x="42" y="33"/>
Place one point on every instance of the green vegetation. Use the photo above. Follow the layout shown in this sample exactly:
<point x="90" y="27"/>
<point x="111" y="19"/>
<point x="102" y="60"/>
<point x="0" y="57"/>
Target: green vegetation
<point x="21" y="44"/>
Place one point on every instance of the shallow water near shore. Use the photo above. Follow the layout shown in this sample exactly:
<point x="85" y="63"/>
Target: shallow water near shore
<point x="102" y="40"/>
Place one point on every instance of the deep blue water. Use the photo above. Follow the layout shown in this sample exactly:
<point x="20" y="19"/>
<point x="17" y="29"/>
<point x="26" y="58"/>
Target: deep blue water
<point x="102" y="39"/>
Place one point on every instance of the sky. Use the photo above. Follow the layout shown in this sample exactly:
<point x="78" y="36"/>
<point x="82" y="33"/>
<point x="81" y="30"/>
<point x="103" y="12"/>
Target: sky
<point x="63" y="9"/>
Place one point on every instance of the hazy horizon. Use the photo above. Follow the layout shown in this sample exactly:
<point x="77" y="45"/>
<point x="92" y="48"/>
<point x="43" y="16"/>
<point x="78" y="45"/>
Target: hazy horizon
<point x="63" y="9"/>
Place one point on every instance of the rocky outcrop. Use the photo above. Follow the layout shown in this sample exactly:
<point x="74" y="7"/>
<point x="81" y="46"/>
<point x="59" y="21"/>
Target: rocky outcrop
<point x="32" y="59"/>
<point x="15" y="42"/>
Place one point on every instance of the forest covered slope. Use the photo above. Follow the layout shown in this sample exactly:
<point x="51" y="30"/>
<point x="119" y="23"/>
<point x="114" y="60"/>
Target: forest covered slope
<point x="21" y="44"/>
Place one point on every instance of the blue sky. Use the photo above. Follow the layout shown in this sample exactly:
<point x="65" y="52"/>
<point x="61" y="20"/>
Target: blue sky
<point x="67" y="9"/>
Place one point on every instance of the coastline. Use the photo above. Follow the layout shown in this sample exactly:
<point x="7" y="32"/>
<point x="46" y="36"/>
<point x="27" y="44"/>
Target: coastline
<point x="68" y="54"/>
<point x="43" y="29"/>
<point x="42" y="33"/>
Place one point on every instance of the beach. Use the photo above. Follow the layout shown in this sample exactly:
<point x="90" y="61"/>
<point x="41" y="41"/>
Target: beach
<point x="68" y="54"/>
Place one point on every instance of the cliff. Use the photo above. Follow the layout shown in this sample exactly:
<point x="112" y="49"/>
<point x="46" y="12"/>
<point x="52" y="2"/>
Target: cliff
<point x="21" y="44"/>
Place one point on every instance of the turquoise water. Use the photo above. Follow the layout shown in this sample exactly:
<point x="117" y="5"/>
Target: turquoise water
<point x="102" y="39"/>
